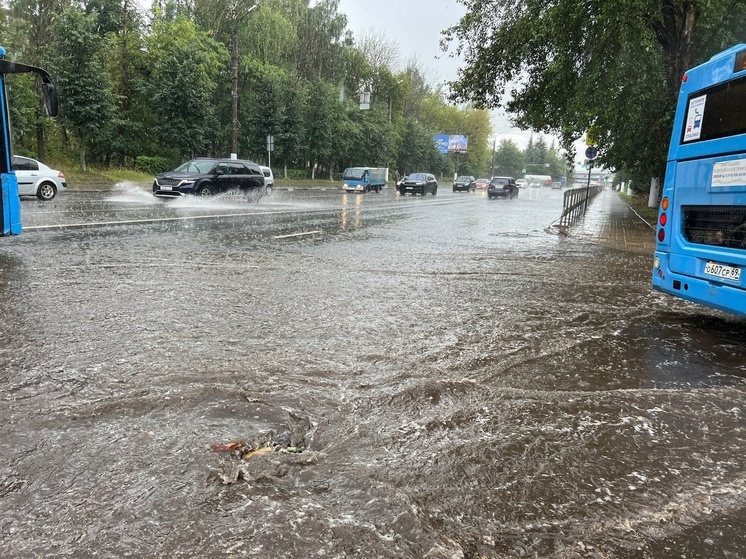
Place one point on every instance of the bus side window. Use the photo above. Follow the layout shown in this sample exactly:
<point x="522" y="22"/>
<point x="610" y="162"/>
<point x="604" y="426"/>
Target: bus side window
<point x="740" y="61"/>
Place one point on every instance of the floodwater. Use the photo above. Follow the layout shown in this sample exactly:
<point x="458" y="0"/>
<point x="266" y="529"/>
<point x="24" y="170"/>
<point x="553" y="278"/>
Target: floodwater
<point x="333" y="375"/>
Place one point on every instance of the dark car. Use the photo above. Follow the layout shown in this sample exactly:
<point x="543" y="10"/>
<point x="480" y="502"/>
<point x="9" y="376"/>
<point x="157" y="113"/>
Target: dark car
<point x="208" y="176"/>
<point x="502" y="187"/>
<point x="419" y="183"/>
<point x="465" y="184"/>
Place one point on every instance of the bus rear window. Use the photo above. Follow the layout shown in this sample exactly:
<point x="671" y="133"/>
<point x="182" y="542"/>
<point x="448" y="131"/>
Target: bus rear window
<point x="721" y="226"/>
<point x="717" y="112"/>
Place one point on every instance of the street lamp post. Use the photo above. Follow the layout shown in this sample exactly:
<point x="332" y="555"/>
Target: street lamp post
<point x="234" y="84"/>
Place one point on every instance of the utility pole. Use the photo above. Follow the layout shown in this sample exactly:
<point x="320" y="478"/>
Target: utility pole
<point x="492" y="165"/>
<point x="234" y="84"/>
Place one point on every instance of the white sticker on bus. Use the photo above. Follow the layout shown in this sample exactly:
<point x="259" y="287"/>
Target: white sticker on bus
<point x="729" y="173"/>
<point x="694" y="118"/>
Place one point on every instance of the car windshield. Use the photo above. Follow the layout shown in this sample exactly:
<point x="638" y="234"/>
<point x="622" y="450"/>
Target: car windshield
<point x="202" y="166"/>
<point x="353" y="173"/>
<point x="417" y="177"/>
<point x="499" y="182"/>
<point x="463" y="179"/>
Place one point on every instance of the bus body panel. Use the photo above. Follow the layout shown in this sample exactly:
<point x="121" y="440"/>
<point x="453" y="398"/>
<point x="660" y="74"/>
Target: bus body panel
<point x="712" y="294"/>
<point x="703" y="223"/>
<point x="10" y="204"/>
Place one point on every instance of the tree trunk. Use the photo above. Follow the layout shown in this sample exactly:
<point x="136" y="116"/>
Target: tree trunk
<point x="676" y="37"/>
<point x="82" y="160"/>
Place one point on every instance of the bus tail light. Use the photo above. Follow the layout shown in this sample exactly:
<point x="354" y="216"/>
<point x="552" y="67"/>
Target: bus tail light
<point x="663" y="219"/>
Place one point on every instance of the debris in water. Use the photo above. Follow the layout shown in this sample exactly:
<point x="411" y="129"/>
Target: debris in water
<point x="228" y="447"/>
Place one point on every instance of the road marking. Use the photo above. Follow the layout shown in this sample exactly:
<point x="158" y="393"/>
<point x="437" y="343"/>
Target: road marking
<point x="387" y="207"/>
<point x="297" y="234"/>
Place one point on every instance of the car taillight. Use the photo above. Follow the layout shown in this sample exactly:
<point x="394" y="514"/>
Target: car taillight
<point x="60" y="175"/>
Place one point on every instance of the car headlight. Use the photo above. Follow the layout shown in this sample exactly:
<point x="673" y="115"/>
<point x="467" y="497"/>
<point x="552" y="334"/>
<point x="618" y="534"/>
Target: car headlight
<point x="345" y="185"/>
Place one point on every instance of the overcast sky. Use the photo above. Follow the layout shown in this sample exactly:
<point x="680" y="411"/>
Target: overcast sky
<point x="416" y="25"/>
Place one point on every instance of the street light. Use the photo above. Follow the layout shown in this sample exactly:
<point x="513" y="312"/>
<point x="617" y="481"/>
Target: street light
<point x="234" y="83"/>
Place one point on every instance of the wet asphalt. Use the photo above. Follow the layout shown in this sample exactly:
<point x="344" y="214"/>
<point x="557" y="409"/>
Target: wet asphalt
<point x="322" y="374"/>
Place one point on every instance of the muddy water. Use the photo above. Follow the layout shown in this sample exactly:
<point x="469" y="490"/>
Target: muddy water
<point x="435" y="377"/>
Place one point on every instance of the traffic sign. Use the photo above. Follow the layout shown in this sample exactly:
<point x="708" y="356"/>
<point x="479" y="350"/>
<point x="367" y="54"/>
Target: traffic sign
<point x="591" y="152"/>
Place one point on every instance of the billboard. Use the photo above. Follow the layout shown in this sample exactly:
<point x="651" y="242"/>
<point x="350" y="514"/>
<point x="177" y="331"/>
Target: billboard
<point x="458" y="144"/>
<point x="451" y="144"/>
<point x="441" y="142"/>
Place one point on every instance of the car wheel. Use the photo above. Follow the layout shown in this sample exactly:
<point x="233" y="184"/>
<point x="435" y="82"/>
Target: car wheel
<point x="206" y="190"/>
<point x="46" y="191"/>
<point x="268" y="190"/>
<point x="435" y="191"/>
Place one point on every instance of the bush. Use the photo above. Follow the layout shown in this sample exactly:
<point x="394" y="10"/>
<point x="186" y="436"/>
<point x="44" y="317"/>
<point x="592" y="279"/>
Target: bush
<point x="153" y="165"/>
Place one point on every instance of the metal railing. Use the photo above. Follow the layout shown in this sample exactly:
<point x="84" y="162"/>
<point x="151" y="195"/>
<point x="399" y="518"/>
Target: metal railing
<point x="575" y="204"/>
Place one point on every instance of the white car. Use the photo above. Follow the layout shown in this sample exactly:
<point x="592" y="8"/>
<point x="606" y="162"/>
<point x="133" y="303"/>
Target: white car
<point x="36" y="179"/>
<point x="269" y="180"/>
<point x="521" y="183"/>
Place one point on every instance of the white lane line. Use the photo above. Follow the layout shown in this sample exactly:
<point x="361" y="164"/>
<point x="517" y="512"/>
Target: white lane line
<point x="297" y="234"/>
<point x="80" y="225"/>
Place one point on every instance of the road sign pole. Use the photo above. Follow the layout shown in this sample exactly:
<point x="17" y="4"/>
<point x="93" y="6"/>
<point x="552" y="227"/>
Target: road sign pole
<point x="591" y="153"/>
<point x="588" y="186"/>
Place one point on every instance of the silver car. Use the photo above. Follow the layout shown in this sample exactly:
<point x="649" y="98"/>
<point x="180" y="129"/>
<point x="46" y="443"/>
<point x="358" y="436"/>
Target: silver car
<point x="269" y="179"/>
<point x="36" y="179"/>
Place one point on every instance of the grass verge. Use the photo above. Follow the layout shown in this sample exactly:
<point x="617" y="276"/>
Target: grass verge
<point x="639" y="203"/>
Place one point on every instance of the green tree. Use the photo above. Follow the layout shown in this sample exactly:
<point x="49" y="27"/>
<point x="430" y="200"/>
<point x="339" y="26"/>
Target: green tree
<point x="320" y="42"/>
<point x="325" y="126"/>
<point x="289" y="141"/>
<point x="185" y="64"/>
<point x="508" y="160"/>
<point x="562" y="66"/>
<point x="262" y="106"/>
<point x="23" y="106"/>
<point x="37" y="16"/>
<point x="79" y="59"/>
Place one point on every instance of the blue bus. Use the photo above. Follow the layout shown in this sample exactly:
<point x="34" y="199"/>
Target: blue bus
<point x="10" y="206"/>
<point x="701" y="231"/>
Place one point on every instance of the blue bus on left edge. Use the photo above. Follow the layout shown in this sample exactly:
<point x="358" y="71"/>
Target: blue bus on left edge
<point x="10" y="205"/>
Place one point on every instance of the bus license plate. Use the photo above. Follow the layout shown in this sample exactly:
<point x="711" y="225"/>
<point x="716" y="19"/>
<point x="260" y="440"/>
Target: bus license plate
<point x="722" y="271"/>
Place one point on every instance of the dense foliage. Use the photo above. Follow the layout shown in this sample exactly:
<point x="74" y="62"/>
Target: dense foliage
<point x="612" y="68"/>
<point x="149" y="89"/>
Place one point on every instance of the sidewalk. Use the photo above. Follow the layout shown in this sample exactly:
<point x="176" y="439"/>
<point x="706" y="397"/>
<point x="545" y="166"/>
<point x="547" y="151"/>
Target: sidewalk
<point x="610" y="222"/>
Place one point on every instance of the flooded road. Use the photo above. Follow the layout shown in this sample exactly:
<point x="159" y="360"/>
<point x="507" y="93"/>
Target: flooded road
<point x="334" y="375"/>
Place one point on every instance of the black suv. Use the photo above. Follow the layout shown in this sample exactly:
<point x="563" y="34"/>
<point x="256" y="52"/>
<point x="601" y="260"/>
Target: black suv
<point x="502" y="187"/>
<point x="465" y="183"/>
<point x="208" y="176"/>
